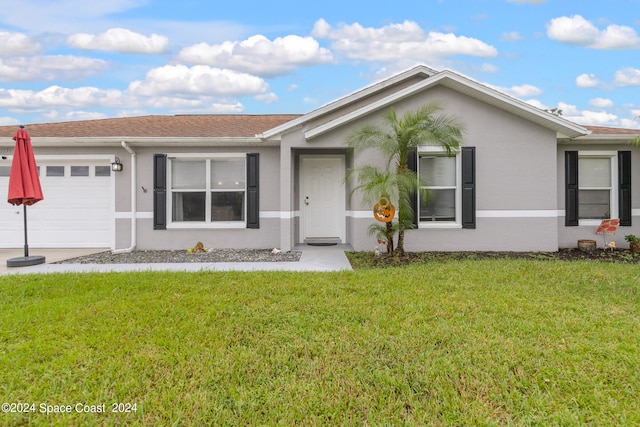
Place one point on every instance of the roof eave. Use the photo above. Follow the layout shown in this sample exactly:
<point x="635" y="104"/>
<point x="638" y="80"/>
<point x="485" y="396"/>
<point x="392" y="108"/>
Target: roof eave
<point x="601" y="139"/>
<point x="361" y="93"/>
<point x="471" y="88"/>
<point x="144" y="141"/>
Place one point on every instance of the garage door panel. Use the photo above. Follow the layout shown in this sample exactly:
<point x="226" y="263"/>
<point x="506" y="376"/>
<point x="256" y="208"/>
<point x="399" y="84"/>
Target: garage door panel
<point x="77" y="211"/>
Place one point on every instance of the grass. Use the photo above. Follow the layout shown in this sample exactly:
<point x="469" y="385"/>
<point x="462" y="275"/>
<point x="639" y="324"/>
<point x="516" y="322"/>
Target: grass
<point x="473" y="342"/>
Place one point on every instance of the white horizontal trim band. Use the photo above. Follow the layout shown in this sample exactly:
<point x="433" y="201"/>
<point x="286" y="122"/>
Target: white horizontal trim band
<point x="369" y="214"/>
<point x="139" y="215"/>
<point x="518" y="214"/>
<point x="486" y="214"/>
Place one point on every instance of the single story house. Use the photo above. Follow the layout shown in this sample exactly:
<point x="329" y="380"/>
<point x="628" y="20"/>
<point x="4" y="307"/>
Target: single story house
<point x="523" y="180"/>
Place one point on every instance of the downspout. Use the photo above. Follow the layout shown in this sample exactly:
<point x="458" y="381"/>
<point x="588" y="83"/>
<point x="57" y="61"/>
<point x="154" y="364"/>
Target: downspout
<point x="134" y="201"/>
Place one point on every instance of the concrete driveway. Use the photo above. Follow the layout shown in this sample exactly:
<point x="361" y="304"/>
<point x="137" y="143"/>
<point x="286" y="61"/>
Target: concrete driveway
<point x="51" y="255"/>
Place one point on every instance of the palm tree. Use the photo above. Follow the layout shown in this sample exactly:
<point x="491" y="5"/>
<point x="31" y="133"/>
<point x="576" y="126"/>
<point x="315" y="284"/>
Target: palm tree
<point x="374" y="184"/>
<point x="395" y="141"/>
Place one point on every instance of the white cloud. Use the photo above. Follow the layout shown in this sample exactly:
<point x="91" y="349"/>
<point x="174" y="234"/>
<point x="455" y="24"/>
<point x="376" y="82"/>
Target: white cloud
<point x="9" y="121"/>
<point x="120" y="40"/>
<point x="16" y="44"/>
<point x="199" y="80"/>
<point x="627" y="77"/>
<point x="521" y="91"/>
<point x="58" y="103"/>
<point x="406" y="41"/>
<point x="601" y="102"/>
<point x="259" y="55"/>
<point x="71" y="116"/>
<point x="596" y="118"/>
<point x="56" y="96"/>
<point x="536" y="103"/>
<point x="577" y="30"/>
<point x="587" y="80"/>
<point x="489" y="68"/>
<point x="630" y="123"/>
<point x="587" y="117"/>
<point x="512" y="36"/>
<point x="267" y="98"/>
<point x="49" y="68"/>
<point x="525" y="90"/>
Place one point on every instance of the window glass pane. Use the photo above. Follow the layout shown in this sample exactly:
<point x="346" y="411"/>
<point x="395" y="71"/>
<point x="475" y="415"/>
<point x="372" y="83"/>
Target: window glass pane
<point x="438" y="171"/>
<point x="188" y="206"/>
<point x="227" y="206"/>
<point x="79" y="170"/>
<point x="594" y="204"/>
<point x="188" y="174"/>
<point x="103" y="170"/>
<point x="5" y="170"/>
<point x="594" y="172"/>
<point x="440" y="206"/>
<point x="55" y="170"/>
<point x="227" y="173"/>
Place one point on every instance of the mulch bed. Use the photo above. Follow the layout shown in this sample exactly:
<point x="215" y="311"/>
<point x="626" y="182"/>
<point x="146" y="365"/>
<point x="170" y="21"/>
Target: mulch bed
<point x="599" y="255"/>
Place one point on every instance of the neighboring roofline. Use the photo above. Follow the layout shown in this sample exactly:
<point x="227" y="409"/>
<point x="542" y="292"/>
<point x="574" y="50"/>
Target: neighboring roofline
<point x="359" y="94"/>
<point x="457" y="82"/>
<point x="597" y="138"/>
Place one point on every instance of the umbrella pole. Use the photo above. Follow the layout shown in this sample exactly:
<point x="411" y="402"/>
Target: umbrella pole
<point x="26" y="245"/>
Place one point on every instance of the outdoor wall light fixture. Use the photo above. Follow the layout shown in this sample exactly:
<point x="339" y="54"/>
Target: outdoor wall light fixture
<point x="116" y="166"/>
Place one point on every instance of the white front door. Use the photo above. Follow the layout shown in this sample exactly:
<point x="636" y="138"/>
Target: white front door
<point x="322" y="197"/>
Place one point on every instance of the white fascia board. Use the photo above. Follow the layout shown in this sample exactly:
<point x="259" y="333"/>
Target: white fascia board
<point x="361" y="93"/>
<point x="602" y="139"/>
<point x="146" y="142"/>
<point x="474" y="89"/>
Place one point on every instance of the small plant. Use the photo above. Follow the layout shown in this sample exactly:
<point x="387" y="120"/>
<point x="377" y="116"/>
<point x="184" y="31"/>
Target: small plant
<point x="197" y="249"/>
<point x="634" y="243"/>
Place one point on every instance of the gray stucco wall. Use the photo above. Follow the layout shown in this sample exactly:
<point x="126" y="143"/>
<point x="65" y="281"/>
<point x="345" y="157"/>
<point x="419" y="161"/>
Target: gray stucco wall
<point x="568" y="236"/>
<point x="516" y="180"/>
<point x="267" y="236"/>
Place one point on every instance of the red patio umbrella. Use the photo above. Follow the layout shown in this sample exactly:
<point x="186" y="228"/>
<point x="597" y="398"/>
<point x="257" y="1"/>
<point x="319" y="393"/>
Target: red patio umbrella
<point x="24" y="189"/>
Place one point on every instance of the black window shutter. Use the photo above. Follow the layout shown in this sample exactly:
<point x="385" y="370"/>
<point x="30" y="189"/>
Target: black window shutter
<point x="571" y="188"/>
<point x="412" y="164"/>
<point x="253" y="187"/>
<point x="469" y="187"/>
<point x="624" y="187"/>
<point x="159" y="191"/>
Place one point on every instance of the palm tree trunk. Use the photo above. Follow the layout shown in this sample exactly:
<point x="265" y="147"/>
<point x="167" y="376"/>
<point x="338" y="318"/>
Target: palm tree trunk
<point x="400" y="248"/>
<point x="389" y="239"/>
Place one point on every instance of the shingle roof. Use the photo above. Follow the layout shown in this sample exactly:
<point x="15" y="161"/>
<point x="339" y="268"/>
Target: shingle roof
<point x="190" y="126"/>
<point x="602" y="130"/>
<point x="185" y="126"/>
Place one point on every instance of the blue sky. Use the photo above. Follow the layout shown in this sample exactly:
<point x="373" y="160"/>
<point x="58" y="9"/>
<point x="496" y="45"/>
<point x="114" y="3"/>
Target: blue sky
<point x="76" y="59"/>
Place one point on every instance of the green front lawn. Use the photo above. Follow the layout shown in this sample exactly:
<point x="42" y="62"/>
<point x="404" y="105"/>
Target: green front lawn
<point x="490" y="342"/>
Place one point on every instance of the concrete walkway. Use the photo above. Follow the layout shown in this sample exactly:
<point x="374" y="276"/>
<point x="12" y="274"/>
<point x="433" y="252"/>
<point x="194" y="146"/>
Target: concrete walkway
<point x="313" y="258"/>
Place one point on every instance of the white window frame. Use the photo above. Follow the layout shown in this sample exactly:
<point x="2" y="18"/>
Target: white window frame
<point x="439" y="151"/>
<point x="613" y="196"/>
<point x="207" y="223"/>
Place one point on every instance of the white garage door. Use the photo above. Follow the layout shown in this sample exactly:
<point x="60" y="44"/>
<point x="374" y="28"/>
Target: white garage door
<point x="76" y="211"/>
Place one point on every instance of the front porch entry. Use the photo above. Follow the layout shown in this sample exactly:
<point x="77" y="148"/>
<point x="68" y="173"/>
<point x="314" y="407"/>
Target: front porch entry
<point x="322" y="198"/>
